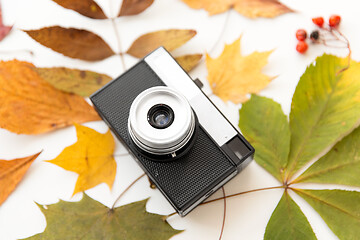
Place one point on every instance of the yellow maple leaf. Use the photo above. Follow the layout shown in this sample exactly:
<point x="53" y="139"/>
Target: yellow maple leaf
<point x="233" y="76"/>
<point x="248" y="8"/>
<point x="91" y="157"/>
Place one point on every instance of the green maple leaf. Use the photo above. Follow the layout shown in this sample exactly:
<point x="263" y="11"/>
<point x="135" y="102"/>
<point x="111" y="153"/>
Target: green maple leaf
<point x="325" y="108"/>
<point x="89" y="219"/>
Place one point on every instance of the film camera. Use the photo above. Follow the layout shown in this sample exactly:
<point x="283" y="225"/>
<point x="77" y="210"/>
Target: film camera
<point x="177" y="135"/>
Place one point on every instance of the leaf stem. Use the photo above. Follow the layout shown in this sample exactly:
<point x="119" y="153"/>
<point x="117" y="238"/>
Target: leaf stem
<point x="234" y="195"/>
<point x="222" y="31"/>
<point x="120" y="53"/>
<point x="241" y="193"/>
<point x="31" y="53"/>
<point x="117" y="35"/>
<point x="126" y="189"/>
<point x="219" y="37"/>
<point x="224" y="217"/>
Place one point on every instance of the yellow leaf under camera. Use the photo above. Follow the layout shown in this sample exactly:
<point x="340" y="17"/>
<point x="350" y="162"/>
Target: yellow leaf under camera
<point x="233" y="76"/>
<point x="91" y="157"/>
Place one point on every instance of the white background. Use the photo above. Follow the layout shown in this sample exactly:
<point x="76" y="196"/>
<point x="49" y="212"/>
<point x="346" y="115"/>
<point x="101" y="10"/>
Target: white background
<point x="247" y="215"/>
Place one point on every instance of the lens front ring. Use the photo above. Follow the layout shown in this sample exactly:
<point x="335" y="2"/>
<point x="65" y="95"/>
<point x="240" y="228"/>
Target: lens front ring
<point x="152" y="125"/>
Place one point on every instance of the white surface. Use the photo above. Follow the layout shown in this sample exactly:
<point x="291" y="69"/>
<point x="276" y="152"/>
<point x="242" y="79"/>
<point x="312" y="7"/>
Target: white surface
<point x="248" y="214"/>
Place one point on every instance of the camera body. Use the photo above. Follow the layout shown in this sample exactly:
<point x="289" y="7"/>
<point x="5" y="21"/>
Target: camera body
<point x="176" y="134"/>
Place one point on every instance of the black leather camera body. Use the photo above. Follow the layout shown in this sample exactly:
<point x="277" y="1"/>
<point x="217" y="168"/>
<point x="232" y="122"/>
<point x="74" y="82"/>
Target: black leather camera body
<point x="177" y="135"/>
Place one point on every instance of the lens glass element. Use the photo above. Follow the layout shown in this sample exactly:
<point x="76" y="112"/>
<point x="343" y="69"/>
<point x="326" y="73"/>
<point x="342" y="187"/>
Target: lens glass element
<point x="160" y="116"/>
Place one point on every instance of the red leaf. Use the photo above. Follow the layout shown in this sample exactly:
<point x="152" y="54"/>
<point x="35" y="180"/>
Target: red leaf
<point x="4" y="30"/>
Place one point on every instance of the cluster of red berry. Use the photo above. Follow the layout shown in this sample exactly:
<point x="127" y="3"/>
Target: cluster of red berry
<point x="301" y="34"/>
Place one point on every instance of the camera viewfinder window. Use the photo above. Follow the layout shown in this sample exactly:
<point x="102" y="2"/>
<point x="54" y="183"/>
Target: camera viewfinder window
<point x="238" y="147"/>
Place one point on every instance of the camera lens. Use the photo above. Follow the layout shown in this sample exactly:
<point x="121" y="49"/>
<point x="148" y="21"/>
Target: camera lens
<point x="160" y="116"/>
<point x="152" y="124"/>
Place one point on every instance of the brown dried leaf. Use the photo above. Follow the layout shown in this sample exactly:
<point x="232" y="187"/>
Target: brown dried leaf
<point x="88" y="8"/>
<point x="30" y="105"/>
<point x="170" y="39"/>
<point x="248" y="8"/>
<point x="71" y="42"/>
<point x="80" y="82"/>
<point x="133" y="7"/>
<point x="11" y="173"/>
<point x="188" y="62"/>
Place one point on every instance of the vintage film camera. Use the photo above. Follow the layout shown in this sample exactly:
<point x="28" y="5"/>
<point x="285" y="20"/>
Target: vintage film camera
<point x="177" y="135"/>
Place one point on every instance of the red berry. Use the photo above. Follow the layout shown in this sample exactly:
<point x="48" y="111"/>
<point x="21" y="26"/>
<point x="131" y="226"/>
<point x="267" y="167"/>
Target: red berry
<point x="334" y="20"/>
<point x="301" y="34"/>
<point x="301" y="47"/>
<point x="318" y="21"/>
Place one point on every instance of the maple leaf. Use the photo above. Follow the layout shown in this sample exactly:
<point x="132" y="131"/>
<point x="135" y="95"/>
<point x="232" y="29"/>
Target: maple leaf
<point x="133" y="7"/>
<point x="72" y="42"/>
<point x="88" y="8"/>
<point x="89" y="219"/>
<point x="169" y="39"/>
<point x="12" y="172"/>
<point x="325" y="108"/>
<point x="4" y="30"/>
<point x="30" y="105"/>
<point x="233" y="76"/>
<point x="91" y="157"/>
<point x="248" y="8"/>
<point x="80" y="82"/>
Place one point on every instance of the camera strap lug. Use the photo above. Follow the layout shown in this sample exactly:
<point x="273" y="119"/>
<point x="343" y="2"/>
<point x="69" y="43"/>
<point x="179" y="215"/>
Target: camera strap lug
<point x="198" y="83"/>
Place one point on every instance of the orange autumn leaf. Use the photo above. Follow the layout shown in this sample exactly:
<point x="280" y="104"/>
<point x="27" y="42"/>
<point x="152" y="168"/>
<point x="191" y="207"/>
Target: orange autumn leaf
<point x="91" y="157"/>
<point x="232" y="76"/>
<point x="30" y="105"/>
<point x="11" y="173"/>
<point x="248" y="8"/>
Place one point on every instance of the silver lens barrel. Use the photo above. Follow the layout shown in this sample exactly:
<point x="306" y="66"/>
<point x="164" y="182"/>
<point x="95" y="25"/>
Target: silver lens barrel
<point x="161" y="121"/>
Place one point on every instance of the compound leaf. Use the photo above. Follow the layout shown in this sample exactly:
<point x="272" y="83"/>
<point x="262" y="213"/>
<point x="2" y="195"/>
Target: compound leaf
<point x="72" y="42"/>
<point x="288" y="222"/>
<point x="11" y="173"/>
<point x="88" y="8"/>
<point x="325" y="107"/>
<point x="248" y="8"/>
<point x="89" y="219"/>
<point x="339" y="166"/>
<point x="80" y="82"/>
<point x="233" y="76"/>
<point x="133" y="7"/>
<point x="266" y="127"/>
<point x="340" y="210"/>
<point x="91" y="157"/>
<point x="170" y="39"/>
<point x="30" y="105"/>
